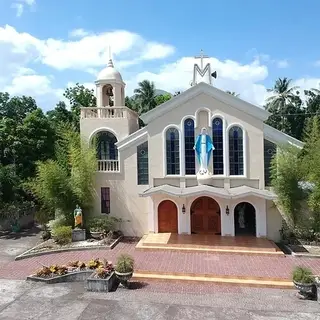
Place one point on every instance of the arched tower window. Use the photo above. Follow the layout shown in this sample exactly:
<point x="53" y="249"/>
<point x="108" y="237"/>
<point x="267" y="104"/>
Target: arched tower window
<point x="189" y="156"/>
<point x="236" y="151"/>
<point x="217" y="140"/>
<point x="106" y="148"/>
<point x="107" y="95"/>
<point x="173" y="151"/>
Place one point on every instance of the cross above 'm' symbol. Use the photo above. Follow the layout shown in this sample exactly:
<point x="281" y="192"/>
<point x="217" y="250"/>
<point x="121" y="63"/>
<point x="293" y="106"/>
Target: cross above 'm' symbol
<point x="202" y="56"/>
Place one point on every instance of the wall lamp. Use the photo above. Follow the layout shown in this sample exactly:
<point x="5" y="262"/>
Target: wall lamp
<point x="227" y="211"/>
<point x="183" y="209"/>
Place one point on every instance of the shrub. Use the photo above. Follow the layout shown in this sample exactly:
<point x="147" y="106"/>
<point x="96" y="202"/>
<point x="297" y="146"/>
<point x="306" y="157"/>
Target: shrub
<point x="125" y="263"/>
<point x="94" y="264"/>
<point x="62" y="234"/>
<point x="302" y="275"/>
<point x="103" y="224"/>
<point x="104" y="272"/>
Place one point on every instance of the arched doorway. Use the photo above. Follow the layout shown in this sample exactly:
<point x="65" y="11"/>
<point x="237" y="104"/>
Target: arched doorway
<point x="205" y="216"/>
<point x="245" y="219"/>
<point x="167" y="217"/>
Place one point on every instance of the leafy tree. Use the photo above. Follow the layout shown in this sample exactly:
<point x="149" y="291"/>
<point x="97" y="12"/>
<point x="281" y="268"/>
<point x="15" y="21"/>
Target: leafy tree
<point x="61" y="115"/>
<point x="63" y="183"/>
<point x="162" y="98"/>
<point x="145" y="96"/>
<point x="80" y="96"/>
<point x="287" y="175"/>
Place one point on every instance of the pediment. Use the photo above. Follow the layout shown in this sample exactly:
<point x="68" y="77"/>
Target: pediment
<point x="203" y="88"/>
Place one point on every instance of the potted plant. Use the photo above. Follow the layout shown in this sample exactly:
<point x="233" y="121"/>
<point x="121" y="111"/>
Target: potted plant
<point x="124" y="268"/>
<point x="102" y="279"/>
<point x="303" y="280"/>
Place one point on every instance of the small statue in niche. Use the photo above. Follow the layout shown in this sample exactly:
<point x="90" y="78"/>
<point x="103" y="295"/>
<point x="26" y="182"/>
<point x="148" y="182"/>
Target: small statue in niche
<point x="77" y="214"/>
<point x="241" y="219"/>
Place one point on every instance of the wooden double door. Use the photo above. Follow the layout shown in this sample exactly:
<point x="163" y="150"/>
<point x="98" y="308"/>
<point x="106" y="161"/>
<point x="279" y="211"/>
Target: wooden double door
<point x="205" y="216"/>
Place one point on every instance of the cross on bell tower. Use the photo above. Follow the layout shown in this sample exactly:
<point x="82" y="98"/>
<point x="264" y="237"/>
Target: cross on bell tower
<point x="202" y="71"/>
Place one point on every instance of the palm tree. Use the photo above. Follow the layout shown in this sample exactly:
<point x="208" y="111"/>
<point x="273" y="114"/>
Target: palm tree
<point x="145" y="95"/>
<point x="283" y="94"/>
<point x="233" y="93"/>
<point x="285" y="106"/>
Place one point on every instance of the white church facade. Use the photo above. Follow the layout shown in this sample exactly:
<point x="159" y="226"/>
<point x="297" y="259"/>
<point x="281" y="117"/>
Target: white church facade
<point x="154" y="179"/>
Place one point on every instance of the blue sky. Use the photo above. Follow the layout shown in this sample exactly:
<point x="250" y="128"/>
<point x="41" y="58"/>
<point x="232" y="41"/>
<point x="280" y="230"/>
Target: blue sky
<point x="47" y="44"/>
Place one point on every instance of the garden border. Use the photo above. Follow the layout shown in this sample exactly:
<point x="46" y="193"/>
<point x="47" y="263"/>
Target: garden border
<point x="75" y="276"/>
<point x="301" y="255"/>
<point x="26" y="254"/>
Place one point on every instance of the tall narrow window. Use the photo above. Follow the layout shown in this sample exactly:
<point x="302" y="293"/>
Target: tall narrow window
<point x="173" y="151"/>
<point x="106" y="148"/>
<point x="217" y="140"/>
<point x="142" y="160"/>
<point x="105" y="200"/>
<point x="270" y="149"/>
<point x="236" y="151"/>
<point x="189" y="156"/>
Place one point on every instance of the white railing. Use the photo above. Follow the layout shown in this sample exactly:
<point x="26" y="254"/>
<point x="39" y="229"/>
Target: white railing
<point x="107" y="113"/>
<point x="108" y="166"/>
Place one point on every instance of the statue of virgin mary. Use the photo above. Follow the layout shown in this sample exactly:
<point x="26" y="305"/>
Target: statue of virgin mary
<point x="203" y="148"/>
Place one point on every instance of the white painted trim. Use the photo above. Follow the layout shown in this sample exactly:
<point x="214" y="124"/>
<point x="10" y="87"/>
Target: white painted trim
<point x="132" y="138"/>
<point x="245" y="152"/>
<point x="93" y="133"/>
<point x="214" y="92"/>
<point x="164" y="160"/>
<point x="197" y="113"/>
<point x="279" y="138"/>
<point x="224" y="137"/>
<point x="183" y="151"/>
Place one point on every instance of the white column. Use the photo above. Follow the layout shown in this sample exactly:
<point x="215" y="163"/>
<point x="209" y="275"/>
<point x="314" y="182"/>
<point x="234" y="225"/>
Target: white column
<point x="227" y="221"/>
<point x="152" y="216"/>
<point x="261" y="218"/>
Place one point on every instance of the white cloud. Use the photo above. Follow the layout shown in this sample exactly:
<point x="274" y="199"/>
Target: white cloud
<point x="78" y="33"/>
<point x="19" y="5"/>
<point x="282" y="64"/>
<point x="232" y="76"/>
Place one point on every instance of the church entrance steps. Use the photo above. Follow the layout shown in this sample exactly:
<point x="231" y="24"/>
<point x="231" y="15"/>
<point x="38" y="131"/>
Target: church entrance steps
<point x="233" y="280"/>
<point x="209" y="243"/>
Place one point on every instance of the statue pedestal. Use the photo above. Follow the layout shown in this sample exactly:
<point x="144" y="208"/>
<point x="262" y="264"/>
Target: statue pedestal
<point x="78" y="235"/>
<point x="204" y="178"/>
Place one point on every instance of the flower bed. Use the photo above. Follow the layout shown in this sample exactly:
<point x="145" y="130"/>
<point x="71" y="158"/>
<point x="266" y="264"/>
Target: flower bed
<point x="72" y="272"/>
<point x="103" y="279"/>
<point x="50" y="246"/>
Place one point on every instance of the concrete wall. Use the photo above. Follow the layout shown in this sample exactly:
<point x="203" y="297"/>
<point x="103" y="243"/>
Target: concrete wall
<point x="274" y="221"/>
<point x="124" y="194"/>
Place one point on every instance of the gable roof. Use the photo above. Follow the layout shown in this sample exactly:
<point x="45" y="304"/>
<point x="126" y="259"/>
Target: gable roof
<point x="279" y="137"/>
<point x="216" y="93"/>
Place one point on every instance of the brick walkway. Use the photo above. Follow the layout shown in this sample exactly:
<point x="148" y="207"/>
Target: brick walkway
<point x="173" y="262"/>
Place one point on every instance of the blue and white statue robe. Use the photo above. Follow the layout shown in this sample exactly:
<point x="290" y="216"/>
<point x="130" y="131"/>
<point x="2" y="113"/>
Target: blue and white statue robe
<point x="203" y="148"/>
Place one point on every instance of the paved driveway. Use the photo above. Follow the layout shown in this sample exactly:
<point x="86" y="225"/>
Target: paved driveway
<point x="12" y="244"/>
<point x="23" y="300"/>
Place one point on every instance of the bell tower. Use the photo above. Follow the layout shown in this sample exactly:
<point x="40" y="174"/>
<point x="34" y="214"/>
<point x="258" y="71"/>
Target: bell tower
<point x="110" y="87"/>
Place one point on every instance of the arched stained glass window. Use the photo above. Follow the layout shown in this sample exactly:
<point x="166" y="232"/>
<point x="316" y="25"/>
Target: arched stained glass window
<point x="142" y="161"/>
<point x="106" y="148"/>
<point x="189" y="153"/>
<point x="236" y="151"/>
<point x="173" y="151"/>
<point x="270" y="150"/>
<point x="217" y="140"/>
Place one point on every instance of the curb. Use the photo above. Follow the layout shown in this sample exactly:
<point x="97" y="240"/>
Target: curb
<point x="301" y="255"/>
<point x="26" y="255"/>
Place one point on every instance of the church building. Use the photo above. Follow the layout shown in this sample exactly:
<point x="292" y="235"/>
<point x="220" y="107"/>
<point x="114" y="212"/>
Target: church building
<point x="201" y="163"/>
